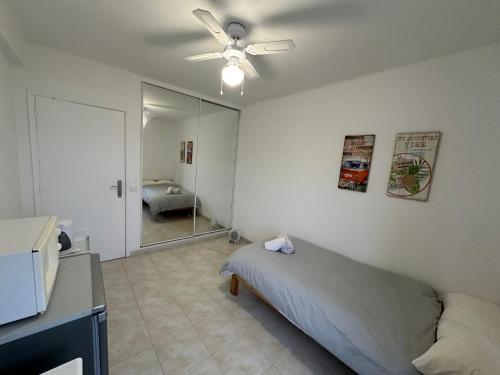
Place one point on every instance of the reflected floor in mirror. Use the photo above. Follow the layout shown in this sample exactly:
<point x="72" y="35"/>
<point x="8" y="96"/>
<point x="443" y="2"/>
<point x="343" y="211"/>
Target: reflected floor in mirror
<point x="171" y="225"/>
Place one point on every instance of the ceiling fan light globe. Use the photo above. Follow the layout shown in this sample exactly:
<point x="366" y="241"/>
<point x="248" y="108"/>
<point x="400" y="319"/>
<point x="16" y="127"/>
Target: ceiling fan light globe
<point x="232" y="75"/>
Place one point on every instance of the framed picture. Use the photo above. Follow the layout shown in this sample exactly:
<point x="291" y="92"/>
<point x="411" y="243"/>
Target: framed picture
<point x="189" y="152"/>
<point x="412" y="165"/>
<point x="183" y="151"/>
<point x="356" y="161"/>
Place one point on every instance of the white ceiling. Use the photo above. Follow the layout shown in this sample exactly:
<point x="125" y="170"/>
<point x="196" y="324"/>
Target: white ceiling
<point x="336" y="39"/>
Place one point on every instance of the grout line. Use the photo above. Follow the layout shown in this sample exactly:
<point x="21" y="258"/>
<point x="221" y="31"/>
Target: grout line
<point x="144" y="321"/>
<point x="142" y="351"/>
<point x="193" y="326"/>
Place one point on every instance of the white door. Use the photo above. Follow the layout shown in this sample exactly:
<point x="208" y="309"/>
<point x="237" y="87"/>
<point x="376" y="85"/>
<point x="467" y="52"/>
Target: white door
<point x="81" y="155"/>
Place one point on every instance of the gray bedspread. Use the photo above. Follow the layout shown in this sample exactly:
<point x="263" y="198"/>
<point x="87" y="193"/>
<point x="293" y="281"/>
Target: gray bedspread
<point x="159" y="201"/>
<point x="375" y="321"/>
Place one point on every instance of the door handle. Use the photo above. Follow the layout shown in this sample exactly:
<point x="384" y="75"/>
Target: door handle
<point x="118" y="187"/>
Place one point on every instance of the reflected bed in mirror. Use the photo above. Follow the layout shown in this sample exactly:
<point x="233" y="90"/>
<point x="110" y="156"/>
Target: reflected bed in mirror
<point x="188" y="155"/>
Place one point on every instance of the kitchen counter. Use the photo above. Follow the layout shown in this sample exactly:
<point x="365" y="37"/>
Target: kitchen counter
<point x="77" y="293"/>
<point x="76" y="309"/>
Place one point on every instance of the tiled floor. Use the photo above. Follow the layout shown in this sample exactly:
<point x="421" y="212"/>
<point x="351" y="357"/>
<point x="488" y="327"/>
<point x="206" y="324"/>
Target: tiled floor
<point x="172" y="225"/>
<point x="171" y="313"/>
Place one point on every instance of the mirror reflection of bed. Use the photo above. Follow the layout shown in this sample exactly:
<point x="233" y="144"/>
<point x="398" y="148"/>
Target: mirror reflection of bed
<point x="188" y="154"/>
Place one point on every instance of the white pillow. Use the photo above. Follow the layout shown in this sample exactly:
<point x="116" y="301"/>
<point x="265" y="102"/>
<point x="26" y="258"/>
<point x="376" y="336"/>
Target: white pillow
<point x="468" y="339"/>
<point x="157" y="182"/>
<point x="458" y="354"/>
<point x="474" y="313"/>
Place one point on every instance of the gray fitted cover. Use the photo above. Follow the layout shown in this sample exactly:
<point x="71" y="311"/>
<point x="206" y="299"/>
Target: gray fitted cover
<point x="159" y="201"/>
<point x="375" y="321"/>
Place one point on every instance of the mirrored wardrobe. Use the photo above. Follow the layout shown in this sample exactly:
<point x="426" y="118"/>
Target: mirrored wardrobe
<point x="188" y="165"/>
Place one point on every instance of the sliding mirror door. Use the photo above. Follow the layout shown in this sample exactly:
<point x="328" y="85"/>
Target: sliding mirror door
<point x="216" y="153"/>
<point x="170" y="123"/>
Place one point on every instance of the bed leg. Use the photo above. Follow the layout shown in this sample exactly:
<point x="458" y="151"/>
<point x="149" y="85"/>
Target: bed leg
<point x="235" y="283"/>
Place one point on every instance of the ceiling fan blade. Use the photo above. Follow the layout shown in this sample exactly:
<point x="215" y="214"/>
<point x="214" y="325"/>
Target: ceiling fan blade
<point x="267" y="48"/>
<point x="209" y="21"/>
<point x="249" y="69"/>
<point x="204" y="56"/>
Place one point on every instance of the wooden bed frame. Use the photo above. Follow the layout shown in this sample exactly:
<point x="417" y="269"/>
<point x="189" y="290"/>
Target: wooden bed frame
<point x="235" y="288"/>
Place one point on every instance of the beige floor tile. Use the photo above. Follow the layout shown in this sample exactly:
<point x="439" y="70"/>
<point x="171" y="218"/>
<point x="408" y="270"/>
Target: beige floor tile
<point x="140" y="282"/>
<point x="186" y="286"/>
<point x="177" y="276"/>
<point x="167" y="261"/>
<point x="246" y="305"/>
<point x="145" y="363"/>
<point x="166" y="325"/>
<point x="242" y="357"/>
<point x="112" y="265"/>
<point x="199" y="312"/>
<point x="127" y="341"/>
<point x="181" y="351"/>
<point x="191" y="295"/>
<point x="118" y="293"/>
<point x="159" y="294"/>
<point x="220" y="291"/>
<point x="138" y="273"/>
<point x="271" y="339"/>
<point x="205" y="367"/>
<point x="123" y="313"/>
<point x="271" y="371"/>
<point x="114" y="276"/>
<point x="219" y="331"/>
<point x="158" y="288"/>
<point x="297" y="364"/>
<point x="152" y="306"/>
<point x="139" y="260"/>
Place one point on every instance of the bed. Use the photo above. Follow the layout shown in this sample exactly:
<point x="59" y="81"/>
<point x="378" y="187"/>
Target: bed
<point x="158" y="201"/>
<point x="375" y="321"/>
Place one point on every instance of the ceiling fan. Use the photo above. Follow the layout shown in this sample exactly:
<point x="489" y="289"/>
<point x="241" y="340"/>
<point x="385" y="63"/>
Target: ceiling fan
<point x="238" y="65"/>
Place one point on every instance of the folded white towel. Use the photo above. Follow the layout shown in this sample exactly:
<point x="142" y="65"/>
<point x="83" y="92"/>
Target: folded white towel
<point x="282" y="243"/>
<point x="173" y="190"/>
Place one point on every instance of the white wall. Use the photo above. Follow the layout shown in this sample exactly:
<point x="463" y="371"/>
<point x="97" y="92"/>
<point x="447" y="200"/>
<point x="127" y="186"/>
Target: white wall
<point x="10" y="199"/>
<point x="289" y="160"/>
<point x="184" y="173"/>
<point x="212" y="171"/>
<point x="215" y="172"/>
<point x="68" y="77"/>
<point x="159" y="150"/>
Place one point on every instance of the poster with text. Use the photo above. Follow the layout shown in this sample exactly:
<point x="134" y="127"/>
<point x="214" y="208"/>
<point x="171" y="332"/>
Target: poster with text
<point x="356" y="160"/>
<point x="189" y="152"/>
<point x="412" y="165"/>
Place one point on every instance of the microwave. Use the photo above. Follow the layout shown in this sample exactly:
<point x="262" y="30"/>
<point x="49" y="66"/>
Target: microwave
<point x="29" y="258"/>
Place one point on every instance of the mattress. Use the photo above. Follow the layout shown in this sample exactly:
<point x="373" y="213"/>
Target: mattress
<point x="159" y="201"/>
<point x="373" y="320"/>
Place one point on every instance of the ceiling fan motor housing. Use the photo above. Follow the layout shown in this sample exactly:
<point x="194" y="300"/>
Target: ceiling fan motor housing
<point x="236" y="30"/>
<point x="234" y="52"/>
